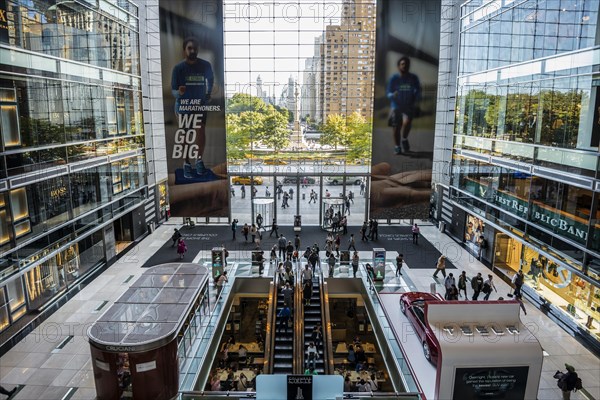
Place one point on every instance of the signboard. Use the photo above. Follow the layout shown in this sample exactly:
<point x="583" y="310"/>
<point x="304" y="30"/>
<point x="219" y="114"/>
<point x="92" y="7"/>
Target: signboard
<point x="405" y="95"/>
<point x="379" y="263"/>
<point x="299" y="387"/>
<point x="193" y="76"/>
<point x="3" y="22"/>
<point x="487" y="383"/>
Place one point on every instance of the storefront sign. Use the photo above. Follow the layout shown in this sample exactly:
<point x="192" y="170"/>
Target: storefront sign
<point x="299" y="387"/>
<point x="484" y="383"/>
<point x="511" y="203"/>
<point x="3" y="22"/>
<point x="571" y="229"/>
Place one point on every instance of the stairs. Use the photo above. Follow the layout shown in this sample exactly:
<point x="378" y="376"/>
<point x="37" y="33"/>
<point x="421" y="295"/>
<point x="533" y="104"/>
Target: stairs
<point x="283" y="352"/>
<point x="312" y="316"/>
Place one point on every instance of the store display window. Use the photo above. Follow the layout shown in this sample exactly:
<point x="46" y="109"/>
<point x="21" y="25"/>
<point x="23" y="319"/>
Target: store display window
<point x="563" y="288"/>
<point x="16" y="298"/>
<point x="4" y="321"/>
<point x="44" y="282"/>
<point x="474" y="238"/>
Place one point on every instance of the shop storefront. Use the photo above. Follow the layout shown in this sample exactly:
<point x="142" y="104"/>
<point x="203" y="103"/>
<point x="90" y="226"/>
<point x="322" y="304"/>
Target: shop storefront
<point x="475" y="235"/>
<point x="565" y="288"/>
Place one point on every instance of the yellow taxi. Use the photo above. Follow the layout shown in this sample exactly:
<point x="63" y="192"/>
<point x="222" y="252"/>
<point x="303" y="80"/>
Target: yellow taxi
<point x="275" y="162"/>
<point x="245" y="180"/>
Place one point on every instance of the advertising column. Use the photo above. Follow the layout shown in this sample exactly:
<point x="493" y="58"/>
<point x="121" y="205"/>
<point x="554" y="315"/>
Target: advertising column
<point x="192" y="61"/>
<point x="406" y="77"/>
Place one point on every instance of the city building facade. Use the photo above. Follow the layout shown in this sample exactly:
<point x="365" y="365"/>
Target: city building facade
<point x="348" y="52"/>
<point x="523" y="188"/>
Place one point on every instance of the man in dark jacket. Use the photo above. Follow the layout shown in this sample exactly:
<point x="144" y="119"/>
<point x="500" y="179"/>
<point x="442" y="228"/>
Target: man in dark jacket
<point x="566" y="381"/>
<point x="477" y="285"/>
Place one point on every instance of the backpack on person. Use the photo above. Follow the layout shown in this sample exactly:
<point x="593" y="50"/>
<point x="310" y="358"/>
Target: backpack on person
<point x="486" y="288"/>
<point x="578" y="384"/>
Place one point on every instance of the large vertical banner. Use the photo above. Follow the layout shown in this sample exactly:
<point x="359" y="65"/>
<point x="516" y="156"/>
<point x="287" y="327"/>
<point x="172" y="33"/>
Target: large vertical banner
<point x="406" y="75"/>
<point x="192" y="60"/>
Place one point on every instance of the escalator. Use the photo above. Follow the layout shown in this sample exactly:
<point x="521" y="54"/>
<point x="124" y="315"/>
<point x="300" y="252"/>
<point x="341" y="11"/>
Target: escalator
<point x="314" y="314"/>
<point x="283" y="345"/>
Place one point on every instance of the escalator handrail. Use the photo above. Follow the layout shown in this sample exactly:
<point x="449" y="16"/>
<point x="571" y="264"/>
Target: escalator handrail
<point x="298" y="364"/>
<point x="373" y="289"/>
<point x="272" y="323"/>
<point x="326" y="327"/>
<point x="327" y="351"/>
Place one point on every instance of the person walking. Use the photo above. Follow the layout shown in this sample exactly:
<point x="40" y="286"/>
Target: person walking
<point x="307" y="275"/>
<point x="253" y="231"/>
<point x="307" y="292"/>
<point x="273" y="255"/>
<point x="284" y="317"/>
<point x="363" y="232"/>
<point x="517" y="281"/>
<point x="181" y="248"/>
<point x="281" y="243"/>
<point x="243" y="191"/>
<point x="8" y="393"/>
<point x="175" y="237"/>
<point x="234" y="225"/>
<point x="259" y="222"/>
<point x="477" y="285"/>
<point x="448" y="283"/>
<point x="297" y="242"/>
<point x="331" y="262"/>
<point x="351" y="242"/>
<point x="567" y="381"/>
<point x="488" y="285"/>
<point x="221" y="281"/>
<point x="440" y="266"/>
<point x="317" y="335"/>
<point x="355" y="261"/>
<point x="415" y="233"/>
<point x="312" y="355"/>
<point x="288" y="293"/>
<point x="274" y="228"/>
<point x="462" y="284"/>
<point x="399" y="264"/>
<point x="453" y="293"/>
<point x="245" y="231"/>
<point x="289" y="251"/>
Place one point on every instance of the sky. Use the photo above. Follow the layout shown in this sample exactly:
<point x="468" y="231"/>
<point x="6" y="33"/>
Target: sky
<point x="282" y="34"/>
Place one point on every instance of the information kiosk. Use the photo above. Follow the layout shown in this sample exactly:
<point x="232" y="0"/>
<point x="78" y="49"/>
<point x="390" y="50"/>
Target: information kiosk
<point x="379" y="263"/>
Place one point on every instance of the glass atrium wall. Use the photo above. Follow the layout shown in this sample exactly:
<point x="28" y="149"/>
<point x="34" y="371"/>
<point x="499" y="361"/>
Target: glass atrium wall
<point x="299" y="84"/>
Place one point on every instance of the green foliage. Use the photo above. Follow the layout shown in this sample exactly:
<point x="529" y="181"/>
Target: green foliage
<point x="359" y="138"/>
<point x="354" y="133"/>
<point x="334" y="131"/>
<point x="250" y="119"/>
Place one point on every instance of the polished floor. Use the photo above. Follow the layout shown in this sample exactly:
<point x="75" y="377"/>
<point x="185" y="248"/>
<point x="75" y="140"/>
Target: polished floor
<point x="53" y="362"/>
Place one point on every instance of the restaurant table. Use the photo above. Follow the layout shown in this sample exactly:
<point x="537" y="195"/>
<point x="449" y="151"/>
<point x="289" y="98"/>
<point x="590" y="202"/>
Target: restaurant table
<point x="250" y="347"/>
<point x="248" y="372"/>
<point x="343" y="348"/>
<point x="355" y="376"/>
